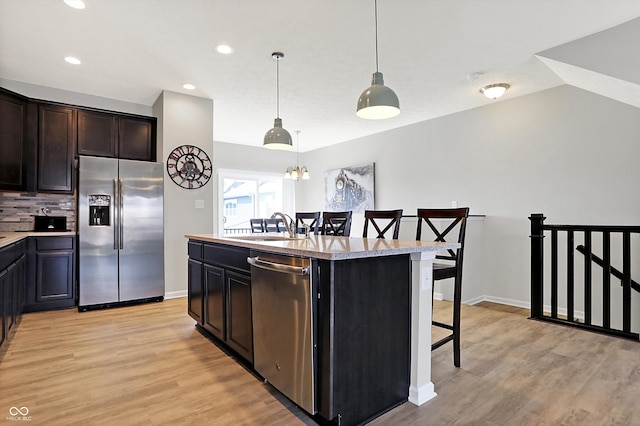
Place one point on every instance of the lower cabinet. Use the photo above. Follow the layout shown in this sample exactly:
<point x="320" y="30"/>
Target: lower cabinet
<point x="220" y="294"/>
<point x="51" y="273"/>
<point x="12" y="284"/>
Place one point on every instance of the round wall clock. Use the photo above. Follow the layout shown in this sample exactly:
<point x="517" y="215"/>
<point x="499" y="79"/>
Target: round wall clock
<point x="189" y="167"/>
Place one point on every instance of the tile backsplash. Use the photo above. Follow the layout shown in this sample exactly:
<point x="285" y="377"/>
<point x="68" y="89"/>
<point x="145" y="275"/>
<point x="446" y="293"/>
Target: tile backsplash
<point x="18" y="209"/>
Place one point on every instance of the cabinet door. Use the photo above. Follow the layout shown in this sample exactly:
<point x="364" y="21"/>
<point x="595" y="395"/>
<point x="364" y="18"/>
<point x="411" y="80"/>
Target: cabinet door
<point x="54" y="276"/>
<point x="97" y="134"/>
<point x="239" y="323"/>
<point x="12" y="138"/>
<point x="135" y="138"/>
<point x="214" y="307"/>
<point x="56" y="137"/>
<point x="194" y="293"/>
<point x="4" y="299"/>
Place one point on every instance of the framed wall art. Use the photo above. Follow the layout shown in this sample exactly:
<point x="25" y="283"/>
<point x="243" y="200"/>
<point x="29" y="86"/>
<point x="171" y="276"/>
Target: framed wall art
<point x="349" y="188"/>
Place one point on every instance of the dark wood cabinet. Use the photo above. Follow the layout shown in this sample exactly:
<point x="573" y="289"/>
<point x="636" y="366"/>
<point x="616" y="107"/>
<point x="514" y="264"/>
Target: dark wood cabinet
<point x="136" y="139"/>
<point x="97" y="134"/>
<point x="239" y="326"/>
<point x="104" y="134"/>
<point x="51" y="273"/>
<point x="214" y="309"/>
<point x="194" y="291"/>
<point x="13" y="149"/>
<point x="56" y="148"/>
<point x="12" y="283"/>
<point x="224" y="283"/>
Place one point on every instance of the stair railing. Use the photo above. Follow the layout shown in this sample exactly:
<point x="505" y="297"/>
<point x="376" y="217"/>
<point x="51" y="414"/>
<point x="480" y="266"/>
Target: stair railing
<point x="568" y="317"/>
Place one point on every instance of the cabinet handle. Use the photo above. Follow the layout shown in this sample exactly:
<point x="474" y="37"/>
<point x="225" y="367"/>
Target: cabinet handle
<point x="277" y="267"/>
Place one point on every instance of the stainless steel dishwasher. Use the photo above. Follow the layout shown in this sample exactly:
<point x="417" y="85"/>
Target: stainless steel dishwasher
<point x="283" y="325"/>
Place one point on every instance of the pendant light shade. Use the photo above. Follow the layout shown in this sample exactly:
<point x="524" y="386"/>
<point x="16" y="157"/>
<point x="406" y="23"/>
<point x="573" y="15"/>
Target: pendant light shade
<point x="378" y="101"/>
<point x="277" y="137"/>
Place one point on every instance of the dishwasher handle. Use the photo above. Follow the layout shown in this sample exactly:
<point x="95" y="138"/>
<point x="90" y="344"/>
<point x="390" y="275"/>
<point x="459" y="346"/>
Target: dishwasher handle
<point x="277" y="267"/>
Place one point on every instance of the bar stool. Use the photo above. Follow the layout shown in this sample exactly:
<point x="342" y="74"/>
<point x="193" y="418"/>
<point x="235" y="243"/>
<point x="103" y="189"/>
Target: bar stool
<point x="274" y="225"/>
<point x="313" y="220"/>
<point x="336" y="223"/>
<point x="257" y="225"/>
<point x="452" y="268"/>
<point x="393" y="217"/>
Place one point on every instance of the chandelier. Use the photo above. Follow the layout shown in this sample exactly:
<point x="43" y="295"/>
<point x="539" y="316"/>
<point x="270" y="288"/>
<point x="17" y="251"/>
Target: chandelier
<point x="295" y="172"/>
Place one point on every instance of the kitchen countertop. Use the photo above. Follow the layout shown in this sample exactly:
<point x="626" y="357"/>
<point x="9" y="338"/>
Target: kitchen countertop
<point x="7" y="238"/>
<point x="327" y="247"/>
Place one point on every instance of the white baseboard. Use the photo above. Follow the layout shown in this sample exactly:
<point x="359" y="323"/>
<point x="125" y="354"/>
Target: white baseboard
<point x="419" y="396"/>
<point x="519" y="304"/>
<point x="438" y="296"/>
<point x="175" y="294"/>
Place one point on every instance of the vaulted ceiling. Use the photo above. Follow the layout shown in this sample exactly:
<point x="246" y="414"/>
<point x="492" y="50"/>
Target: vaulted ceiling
<point x="132" y="50"/>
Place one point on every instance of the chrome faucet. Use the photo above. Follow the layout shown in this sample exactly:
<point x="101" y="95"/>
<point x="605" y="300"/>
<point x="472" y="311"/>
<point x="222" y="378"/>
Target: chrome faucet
<point x="288" y="224"/>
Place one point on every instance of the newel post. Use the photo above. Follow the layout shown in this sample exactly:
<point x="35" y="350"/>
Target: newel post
<point x="537" y="267"/>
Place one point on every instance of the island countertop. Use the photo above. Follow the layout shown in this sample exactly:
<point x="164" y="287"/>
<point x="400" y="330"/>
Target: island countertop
<point x="326" y="247"/>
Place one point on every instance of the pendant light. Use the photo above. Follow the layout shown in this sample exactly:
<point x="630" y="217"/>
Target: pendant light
<point x="277" y="137"/>
<point x="378" y="101"/>
<point x="295" y="172"/>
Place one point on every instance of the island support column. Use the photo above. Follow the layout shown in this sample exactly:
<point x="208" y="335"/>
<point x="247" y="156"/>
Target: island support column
<point x="421" y="388"/>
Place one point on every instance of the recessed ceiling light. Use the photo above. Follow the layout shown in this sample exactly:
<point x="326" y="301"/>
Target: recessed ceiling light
<point x="76" y="4"/>
<point x="224" y="49"/>
<point x="72" y="60"/>
<point x="189" y="86"/>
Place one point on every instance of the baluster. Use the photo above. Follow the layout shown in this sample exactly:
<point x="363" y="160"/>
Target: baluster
<point x="570" y="275"/>
<point x="606" y="279"/>
<point x="626" y="281"/>
<point x="587" y="277"/>
<point x="554" y="273"/>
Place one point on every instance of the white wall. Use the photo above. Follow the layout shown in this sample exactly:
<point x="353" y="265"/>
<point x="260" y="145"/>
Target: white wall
<point x="183" y="120"/>
<point x="564" y="152"/>
<point x="74" y="98"/>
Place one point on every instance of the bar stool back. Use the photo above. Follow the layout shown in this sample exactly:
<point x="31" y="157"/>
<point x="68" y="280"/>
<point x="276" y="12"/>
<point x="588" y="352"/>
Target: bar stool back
<point x="378" y="218"/>
<point x="312" y="219"/>
<point x="336" y="223"/>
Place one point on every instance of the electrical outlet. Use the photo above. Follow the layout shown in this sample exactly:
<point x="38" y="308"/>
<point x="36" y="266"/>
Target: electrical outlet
<point x="199" y="204"/>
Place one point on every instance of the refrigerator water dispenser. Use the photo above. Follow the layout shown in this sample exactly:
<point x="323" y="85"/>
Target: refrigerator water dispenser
<point x="99" y="209"/>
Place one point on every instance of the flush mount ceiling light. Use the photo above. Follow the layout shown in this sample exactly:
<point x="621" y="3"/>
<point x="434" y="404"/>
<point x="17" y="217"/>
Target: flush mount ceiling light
<point x="277" y="137"/>
<point x="76" y="4"/>
<point x="72" y="60"/>
<point x="494" y="91"/>
<point x="378" y="101"/>
<point x="295" y="172"/>
<point x="224" y="49"/>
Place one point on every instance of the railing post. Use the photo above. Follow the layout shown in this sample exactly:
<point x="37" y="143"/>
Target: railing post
<point x="537" y="266"/>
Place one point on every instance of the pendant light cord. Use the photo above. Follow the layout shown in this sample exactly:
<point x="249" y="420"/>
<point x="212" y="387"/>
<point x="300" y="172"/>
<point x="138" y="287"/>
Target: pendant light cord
<point x="277" y="87"/>
<point x="375" y="5"/>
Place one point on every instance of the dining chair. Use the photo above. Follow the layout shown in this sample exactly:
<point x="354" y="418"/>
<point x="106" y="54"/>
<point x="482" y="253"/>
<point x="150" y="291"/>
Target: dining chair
<point x="447" y="265"/>
<point x="257" y="225"/>
<point x="312" y="219"/>
<point x="336" y="223"/>
<point x="378" y="218"/>
<point x="274" y="225"/>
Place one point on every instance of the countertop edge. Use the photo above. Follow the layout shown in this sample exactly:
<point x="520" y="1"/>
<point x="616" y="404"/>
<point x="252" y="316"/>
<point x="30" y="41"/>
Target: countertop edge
<point x="14" y="237"/>
<point x="331" y="248"/>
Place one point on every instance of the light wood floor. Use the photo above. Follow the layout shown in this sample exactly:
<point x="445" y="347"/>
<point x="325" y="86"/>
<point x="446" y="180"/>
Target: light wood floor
<point x="147" y="365"/>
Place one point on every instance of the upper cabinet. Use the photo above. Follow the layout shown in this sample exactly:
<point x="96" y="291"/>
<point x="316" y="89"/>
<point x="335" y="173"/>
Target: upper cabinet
<point x="56" y="148"/>
<point x="13" y="149"/>
<point x="118" y="136"/>
<point x="40" y="140"/>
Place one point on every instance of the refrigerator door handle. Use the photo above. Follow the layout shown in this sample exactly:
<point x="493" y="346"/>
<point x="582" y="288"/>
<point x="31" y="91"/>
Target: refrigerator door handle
<point x="116" y="226"/>
<point x="121" y="224"/>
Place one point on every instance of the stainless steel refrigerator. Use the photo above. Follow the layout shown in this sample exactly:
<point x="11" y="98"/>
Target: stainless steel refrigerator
<point x="121" y="236"/>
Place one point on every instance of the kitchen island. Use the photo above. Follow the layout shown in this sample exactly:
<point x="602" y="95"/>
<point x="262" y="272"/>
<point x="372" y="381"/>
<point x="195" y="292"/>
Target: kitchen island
<point x="371" y="315"/>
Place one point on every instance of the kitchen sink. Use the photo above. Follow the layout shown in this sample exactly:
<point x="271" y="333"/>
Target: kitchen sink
<point x="266" y="238"/>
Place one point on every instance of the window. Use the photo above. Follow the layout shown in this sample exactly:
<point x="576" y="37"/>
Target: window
<point x="245" y="195"/>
